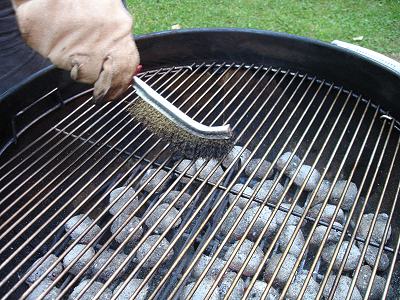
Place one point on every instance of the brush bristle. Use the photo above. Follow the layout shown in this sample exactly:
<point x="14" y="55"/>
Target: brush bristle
<point x="189" y="145"/>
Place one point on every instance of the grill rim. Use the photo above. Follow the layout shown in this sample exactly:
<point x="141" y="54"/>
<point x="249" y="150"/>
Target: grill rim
<point x="396" y="254"/>
<point x="253" y="46"/>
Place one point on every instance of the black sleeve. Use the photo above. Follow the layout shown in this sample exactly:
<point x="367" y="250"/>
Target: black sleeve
<point x="17" y="60"/>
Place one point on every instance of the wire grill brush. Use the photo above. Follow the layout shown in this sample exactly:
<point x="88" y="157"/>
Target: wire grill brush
<point x="184" y="134"/>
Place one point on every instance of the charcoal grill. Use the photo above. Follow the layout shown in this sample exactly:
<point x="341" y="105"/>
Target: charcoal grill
<point x="61" y="157"/>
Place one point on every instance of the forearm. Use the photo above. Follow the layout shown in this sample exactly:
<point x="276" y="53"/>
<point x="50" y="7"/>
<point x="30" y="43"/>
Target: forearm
<point x="90" y="38"/>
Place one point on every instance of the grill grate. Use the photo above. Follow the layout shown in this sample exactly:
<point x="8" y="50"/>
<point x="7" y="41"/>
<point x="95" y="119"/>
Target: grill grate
<point x="71" y="169"/>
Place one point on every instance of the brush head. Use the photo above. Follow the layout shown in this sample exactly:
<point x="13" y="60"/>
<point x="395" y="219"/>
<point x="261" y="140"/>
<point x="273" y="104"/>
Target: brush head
<point x="189" y="145"/>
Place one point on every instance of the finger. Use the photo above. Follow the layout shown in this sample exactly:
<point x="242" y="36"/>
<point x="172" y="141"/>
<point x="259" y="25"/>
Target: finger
<point x="103" y="83"/>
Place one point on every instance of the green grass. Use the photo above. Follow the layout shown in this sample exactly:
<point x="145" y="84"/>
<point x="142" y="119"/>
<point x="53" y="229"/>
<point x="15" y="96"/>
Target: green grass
<point x="377" y="21"/>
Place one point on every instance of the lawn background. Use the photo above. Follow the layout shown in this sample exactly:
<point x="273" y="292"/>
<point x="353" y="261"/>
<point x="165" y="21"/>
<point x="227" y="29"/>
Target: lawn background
<point x="378" y="22"/>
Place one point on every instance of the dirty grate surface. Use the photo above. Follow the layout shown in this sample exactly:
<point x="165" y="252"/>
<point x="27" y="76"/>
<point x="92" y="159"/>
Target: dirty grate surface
<point x="102" y="208"/>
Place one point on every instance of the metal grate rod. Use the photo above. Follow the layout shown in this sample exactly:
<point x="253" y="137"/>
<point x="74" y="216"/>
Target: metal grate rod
<point x="234" y="180"/>
<point x="121" y="245"/>
<point x="323" y="283"/>
<point x="240" y="242"/>
<point x="88" y="229"/>
<point x="373" y="223"/>
<point x="172" y="242"/>
<point x="76" y="209"/>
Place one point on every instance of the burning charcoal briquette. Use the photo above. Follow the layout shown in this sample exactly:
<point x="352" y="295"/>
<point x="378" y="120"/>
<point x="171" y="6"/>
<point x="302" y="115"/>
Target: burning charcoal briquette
<point x="160" y="176"/>
<point x="89" y="294"/>
<point x="327" y="214"/>
<point x="41" y="288"/>
<point x="294" y="162"/>
<point x="128" y="228"/>
<point x="39" y="270"/>
<point x="202" y="263"/>
<point x="352" y="259"/>
<point x="264" y="191"/>
<point x="172" y="195"/>
<point x="302" y="176"/>
<point x="310" y="292"/>
<point x="181" y="168"/>
<point x="233" y="155"/>
<point x="82" y="261"/>
<point x="227" y="282"/>
<point x="241" y="256"/>
<point x="333" y="237"/>
<point x="261" y="171"/>
<point x="126" y="197"/>
<point x="342" y="289"/>
<point x="349" y="197"/>
<point x="155" y="256"/>
<point x="293" y="220"/>
<point x="379" y="229"/>
<point x="285" y="237"/>
<point x="201" y="291"/>
<point x="363" y="279"/>
<point x="371" y="255"/>
<point x="77" y="232"/>
<point x="242" y="201"/>
<point x="229" y="221"/>
<point x="168" y="219"/>
<point x="208" y="168"/>
<point x="285" y="270"/>
<point x="258" y="289"/>
<point x="130" y="289"/>
<point x="322" y="192"/>
<point x="112" y="266"/>
<point x="258" y="225"/>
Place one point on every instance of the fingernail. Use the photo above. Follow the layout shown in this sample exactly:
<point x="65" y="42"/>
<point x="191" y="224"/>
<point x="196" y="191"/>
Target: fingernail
<point x="138" y="69"/>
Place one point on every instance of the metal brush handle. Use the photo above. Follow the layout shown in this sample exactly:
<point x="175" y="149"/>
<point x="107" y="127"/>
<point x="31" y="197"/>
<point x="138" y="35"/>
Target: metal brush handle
<point x="372" y="55"/>
<point x="178" y="117"/>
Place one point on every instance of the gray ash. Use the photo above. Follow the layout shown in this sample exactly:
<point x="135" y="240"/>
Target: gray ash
<point x="155" y="256"/>
<point x="342" y="288"/>
<point x="128" y="228"/>
<point x="363" y="279"/>
<point x="226" y="283"/>
<point x="41" y="288"/>
<point x="242" y="201"/>
<point x="202" y="290"/>
<point x="172" y="195"/>
<point x="202" y="263"/>
<point x="265" y="190"/>
<point x="241" y="256"/>
<point x="284" y="158"/>
<point x="327" y="214"/>
<point x="261" y="171"/>
<point x="322" y="192"/>
<point x="90" y="293"/>
<point x="348" y="198"/>
<point x="128" y="196"/>
<point x="284" y="271"/>
<point x="258" y="289"/>
<point x="301" y="177"/>
<point x="78" y="231"/>
<point x="160" y="176"/>
<point x="111" y="267"/>
<point x="167" y="220"/>
<point x="310" y="292"/>
<point x="298" y="242"/>
<point x="379" y="228"/>
<point x="40" y="269"/>
<point x="82" y="261"/>
<point x="131" y="288"/>
<point x="232" y="155"/>
<point x="352" y="259"/>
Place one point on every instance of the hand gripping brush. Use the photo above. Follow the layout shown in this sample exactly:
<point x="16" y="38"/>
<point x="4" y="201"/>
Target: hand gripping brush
<point x="184" y="134"/>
